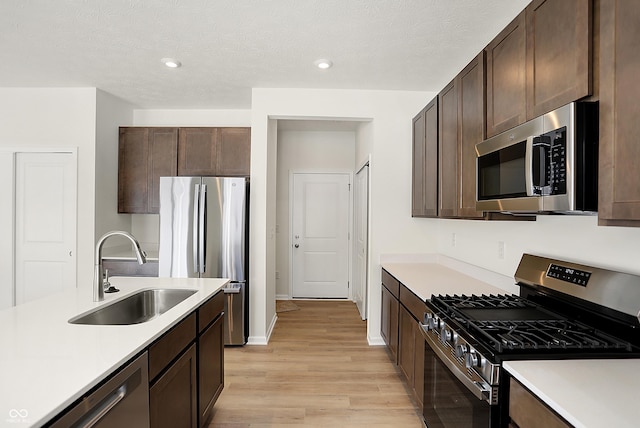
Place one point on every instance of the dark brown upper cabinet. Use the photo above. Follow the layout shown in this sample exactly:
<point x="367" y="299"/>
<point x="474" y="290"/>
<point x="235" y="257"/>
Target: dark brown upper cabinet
<point x="144" y="155"/>
<point x="234" y="152"/>
<point x="448" y="151"/>
<point x="619" y="175"/>
<point x="148" y="153"/>
<point x="559" y="53"/>
<point x="214" y="152"/>
<point x="197" y="151"/>
<point x="425" y="162"/>
<point x="506" y="78"/>
<point x="541" y="61"/>
<point x="471" y="131"/>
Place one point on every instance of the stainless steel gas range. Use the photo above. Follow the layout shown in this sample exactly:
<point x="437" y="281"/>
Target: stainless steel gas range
<point x="565" y="310"/>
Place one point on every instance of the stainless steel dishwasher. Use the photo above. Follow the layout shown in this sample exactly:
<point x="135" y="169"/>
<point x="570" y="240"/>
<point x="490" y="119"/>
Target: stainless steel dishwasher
<point x="123" y="401"/>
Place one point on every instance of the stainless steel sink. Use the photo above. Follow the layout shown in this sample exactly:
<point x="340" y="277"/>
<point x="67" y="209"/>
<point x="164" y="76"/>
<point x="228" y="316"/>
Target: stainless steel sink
<point x="140" y="307"/>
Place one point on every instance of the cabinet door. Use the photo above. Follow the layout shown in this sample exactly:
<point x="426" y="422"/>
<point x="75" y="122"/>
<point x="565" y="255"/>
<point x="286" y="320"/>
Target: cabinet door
<point x="163" y="162"/>
<point x="418" y="176"/>
<point x="234" y="152"/>
<point x="448" y="151"/>
<point x="210" y="368"/>
<point x="619" y="175"/>
<point x="133" y="155"/>
<point x="431" y="170"/>
<point x="173" y="397"/>
<point x="471" y="123"/>
<point x="406" y="344"/>
<point x="389" y="322"/>
<point x="197" y="151"/>
<point x="506" y="78"/>
<point x="418" y="364"/>
<point x="559" y="46"/>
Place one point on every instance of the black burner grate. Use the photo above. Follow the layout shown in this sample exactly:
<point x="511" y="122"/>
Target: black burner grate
<point x="509" y="322"/>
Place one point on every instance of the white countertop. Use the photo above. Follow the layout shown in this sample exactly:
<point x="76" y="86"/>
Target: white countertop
<point x="587" y="393"/>
<point x="47" y="363"/>
<point x="442" y="275"/>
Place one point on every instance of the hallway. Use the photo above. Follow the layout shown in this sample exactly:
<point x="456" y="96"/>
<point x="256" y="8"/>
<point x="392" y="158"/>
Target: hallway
<point x="317" y="371"/>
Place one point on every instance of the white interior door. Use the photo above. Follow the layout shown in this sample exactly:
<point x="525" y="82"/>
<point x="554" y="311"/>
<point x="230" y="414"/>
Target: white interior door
<point x="45" y="240"/>
<point x="320" y="235"/>
<point x="361" y="235"/>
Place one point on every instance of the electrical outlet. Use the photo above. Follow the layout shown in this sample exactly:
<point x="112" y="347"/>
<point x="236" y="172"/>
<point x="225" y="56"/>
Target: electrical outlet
<point x="453" y="239"/>
<point x="501" y="250"/>
<point x="277" y="275"/>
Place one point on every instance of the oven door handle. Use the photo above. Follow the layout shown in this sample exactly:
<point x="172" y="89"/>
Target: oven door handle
<point x="480" y="390"/>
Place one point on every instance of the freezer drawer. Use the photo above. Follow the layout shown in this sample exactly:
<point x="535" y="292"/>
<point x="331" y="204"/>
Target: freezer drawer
<point x="234" y="312"/>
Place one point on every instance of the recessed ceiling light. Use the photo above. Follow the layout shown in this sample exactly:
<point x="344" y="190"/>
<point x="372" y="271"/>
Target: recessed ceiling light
<point x="171" y="62"/>
<point x="323" y="63"/>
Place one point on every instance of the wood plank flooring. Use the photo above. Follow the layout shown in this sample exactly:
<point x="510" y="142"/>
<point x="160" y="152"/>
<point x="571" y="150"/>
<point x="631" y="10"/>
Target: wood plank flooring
<point x="317" y="371"/>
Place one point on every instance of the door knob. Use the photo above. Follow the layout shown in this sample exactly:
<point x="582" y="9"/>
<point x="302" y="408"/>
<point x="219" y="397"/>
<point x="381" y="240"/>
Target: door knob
<point x="296" y="245"/>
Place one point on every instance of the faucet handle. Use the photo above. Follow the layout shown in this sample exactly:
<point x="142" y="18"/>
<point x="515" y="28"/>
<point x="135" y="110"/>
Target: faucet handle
<point x="108" y="288"/>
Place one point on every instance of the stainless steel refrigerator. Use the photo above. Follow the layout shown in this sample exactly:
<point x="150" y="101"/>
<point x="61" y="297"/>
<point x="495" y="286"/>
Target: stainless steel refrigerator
<point x="204" y="233"/>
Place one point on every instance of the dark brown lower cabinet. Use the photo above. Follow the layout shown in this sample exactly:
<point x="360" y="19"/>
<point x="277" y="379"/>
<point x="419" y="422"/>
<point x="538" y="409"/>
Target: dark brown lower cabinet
<point x="389" y="322"/>
<point x="400" y="331"/>
<point x="210" y="368"/>
<point x="186" y="368"/>
<point x="406" y="345"/>
<point x="527" y="411"/>
<point x="172" y="398"/>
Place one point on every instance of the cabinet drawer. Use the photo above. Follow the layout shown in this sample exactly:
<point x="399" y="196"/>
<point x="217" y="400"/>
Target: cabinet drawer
<point x="392" y="284"/>
<point x="412" y="302"/>
<point x="210" y="310"/>
<point x="165" y="349"/>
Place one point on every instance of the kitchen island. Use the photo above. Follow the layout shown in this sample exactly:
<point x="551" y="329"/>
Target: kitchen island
<point x="46" y="364"/>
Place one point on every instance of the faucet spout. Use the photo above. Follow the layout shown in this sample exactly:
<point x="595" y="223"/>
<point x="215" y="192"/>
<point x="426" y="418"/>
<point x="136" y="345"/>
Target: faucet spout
<point x="98" y="288"/>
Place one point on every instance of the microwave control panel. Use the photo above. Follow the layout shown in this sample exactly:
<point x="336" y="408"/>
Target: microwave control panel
<point x="557" y="170"/>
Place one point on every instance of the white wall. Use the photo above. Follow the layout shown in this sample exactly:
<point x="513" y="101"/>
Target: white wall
<point x="111" y="113"/>
<point x="58" y="118"/>
<point x="574" y="238"/>
<point x="389" y="139"/>
<point x="304" y="151"/>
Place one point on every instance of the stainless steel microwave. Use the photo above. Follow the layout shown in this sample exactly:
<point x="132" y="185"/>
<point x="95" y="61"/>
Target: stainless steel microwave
<point x="546" y="165"/>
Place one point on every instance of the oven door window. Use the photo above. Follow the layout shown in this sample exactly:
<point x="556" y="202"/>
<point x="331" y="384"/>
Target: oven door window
<point x="447" y="402"/>
<point x="501" y="174"/>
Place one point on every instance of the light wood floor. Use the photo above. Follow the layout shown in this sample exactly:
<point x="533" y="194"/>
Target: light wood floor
<point x="317" y="371"/>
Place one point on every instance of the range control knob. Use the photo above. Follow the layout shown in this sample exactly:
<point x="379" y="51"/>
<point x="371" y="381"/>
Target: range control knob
<point x="472" y="359"/>
<point x="434" y="322"/>
<point x="445" y="334"/>
<point x="461" y="350"/>
<point x="428" y="317"/>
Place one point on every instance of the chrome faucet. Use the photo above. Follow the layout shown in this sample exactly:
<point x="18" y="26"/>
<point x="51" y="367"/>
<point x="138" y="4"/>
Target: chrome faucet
<point x="98" y="284"/>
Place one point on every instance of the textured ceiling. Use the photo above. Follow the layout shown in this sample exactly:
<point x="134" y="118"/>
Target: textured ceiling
<point x="228" y="47"/>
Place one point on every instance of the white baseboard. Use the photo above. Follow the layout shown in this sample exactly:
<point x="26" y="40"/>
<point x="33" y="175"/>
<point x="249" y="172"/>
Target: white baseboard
<point x="263" y="340"/>
<point x="375" y="341"/>
<point x="283" y="297"/>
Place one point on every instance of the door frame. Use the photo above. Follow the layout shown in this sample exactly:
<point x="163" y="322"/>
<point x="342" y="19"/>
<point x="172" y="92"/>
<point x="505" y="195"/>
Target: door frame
<point x="350" y="248"/>
<point x="367" y="208"/>
<point x="8" y="216"/>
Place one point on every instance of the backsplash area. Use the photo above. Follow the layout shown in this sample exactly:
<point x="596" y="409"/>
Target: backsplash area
<point x="498" y="245"/>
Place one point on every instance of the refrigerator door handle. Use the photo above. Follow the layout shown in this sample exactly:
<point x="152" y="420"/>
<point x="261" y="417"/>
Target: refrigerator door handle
<point x="202" y="228"/>
<point x="196" y="227"/>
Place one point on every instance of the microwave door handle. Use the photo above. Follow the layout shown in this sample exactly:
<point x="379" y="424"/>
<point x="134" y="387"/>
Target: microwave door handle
<point x="528" y="166"/>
